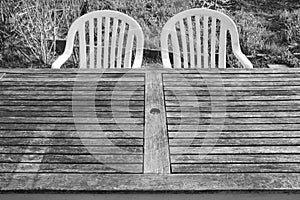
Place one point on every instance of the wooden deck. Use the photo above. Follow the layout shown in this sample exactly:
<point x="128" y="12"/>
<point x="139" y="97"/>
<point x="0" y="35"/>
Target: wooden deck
<point x="150" y="130"/>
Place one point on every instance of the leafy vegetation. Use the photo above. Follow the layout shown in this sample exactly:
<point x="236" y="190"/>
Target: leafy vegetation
<point x="30" y="30"/>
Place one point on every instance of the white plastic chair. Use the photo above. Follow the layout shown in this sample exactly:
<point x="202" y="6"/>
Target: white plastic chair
<point x="198" y="39"/>
<point x="106" y="40"/>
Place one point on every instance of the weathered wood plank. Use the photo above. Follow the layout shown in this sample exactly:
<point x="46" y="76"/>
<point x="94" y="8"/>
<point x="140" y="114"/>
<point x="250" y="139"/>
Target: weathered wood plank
<point x="156" y="155"/>
<point x="193" y="98"/>
<point x="71" y="134"/>
<point x="188" y="87"/>
<point x="193" y="94"/>
<point x="74" y="79"/>
<point x="240" y="120"/>
<point x="75" y="97"/>
<point x="74" y="93"/>
<point x="245" y="108"/>
<point x="236" y="134"/>
<point x="74" y="75"/>
<point x="74" y="150"/>
<point x="72" y="127"/>
<point x="65" y="159"/>
<point x="72" y="168"/>
<point x="225" y="80"/>
<point x="71" y="142"/>
<point x="235" y="142"/>
<point x="84" y="114"/>
<point x="236" y="158"/>
<point x="233" y="76"/>
<point x="79" y="108"/>
<point x="234" y="85"/>
<point x="235" y="114"/>
<point x="234" y="168"/>
<point x="156" y="182"/>
<point x="67" y="120"/>
<point x="69" y="103"/>
<point x="233" y="103"/>
<point x="66" y="85"/>
<point x="241" y="127"/>
<point x="236" y="150"/>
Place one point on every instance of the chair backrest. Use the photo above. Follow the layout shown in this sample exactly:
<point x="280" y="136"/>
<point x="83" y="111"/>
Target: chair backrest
<point x="198" y="40"/>
<point x="106" y="39"/>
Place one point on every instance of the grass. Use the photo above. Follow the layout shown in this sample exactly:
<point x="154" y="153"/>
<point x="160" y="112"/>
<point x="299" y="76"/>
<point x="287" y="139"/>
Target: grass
<point x="29" y="29"/>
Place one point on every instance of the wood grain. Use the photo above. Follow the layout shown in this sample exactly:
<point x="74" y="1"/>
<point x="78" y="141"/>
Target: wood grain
<point x="156" y="156"/>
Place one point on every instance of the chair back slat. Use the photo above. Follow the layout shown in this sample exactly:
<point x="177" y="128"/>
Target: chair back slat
<point x="128" y="51"/>
<point x="222" y="47"/>
<point x="184" y="43"/>
<point x="205" y="41"/>
<point x="206" y="31"/>
<point x="99" y="60"/>
<point x="191" y="42"/>
<point x="82" y="48"/>
<point x="107" y="39"/>
<point x="198" y="42"/>
<point x="120" y="44"/>
<point x="213" y="42"/>
<point x="91" y="52"/>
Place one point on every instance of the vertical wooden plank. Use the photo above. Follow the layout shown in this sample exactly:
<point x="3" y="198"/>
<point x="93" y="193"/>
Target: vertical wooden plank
<point x="156" y="152"/>
<point x="198" y="36"/>
<point x="213" y="43"/>
<point x="205" y="42"/>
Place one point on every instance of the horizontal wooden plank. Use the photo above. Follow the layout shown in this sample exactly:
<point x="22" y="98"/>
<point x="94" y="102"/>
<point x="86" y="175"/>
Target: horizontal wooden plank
<point x="70" y="142"/>
<point x="70" y="134"/>
<point x="91" y="97"/>
<point x="221" y="92"/>
<point x="236" y="134"/>
<point x="53" y="158"/>
<point x="69" y="108"/>
<point x="66" y="79"/>
<point x="245" y="108"/>
<point x="153" y="182"/>
<point x="233" y="168"/>
<point x="233" y="88"/>
<point x="74" y="150"/>
<point x="236" y="158"/>
<point x="73" y="93"/>
<point x="237" y="127"/>
<point x="68" y="120"/>
<point x="234" y="84"/>
<point x="208" y="103"/>
<point x="88" y="114"/>
<point x="234" y="142"/>
<point x="234" y="114"/>
<point x="73" y="75"/>
<point x="236" y="150"/>
<point x="84" y="85"/>
<point x="245" y="120"/>
<point x="235" y="75"/>
<point x="72" y="168"/>
<point x="224" y="98"/>
<point x="69" y="103"/>
<point x="221" y="79"/>
<point x="72" y="127"/>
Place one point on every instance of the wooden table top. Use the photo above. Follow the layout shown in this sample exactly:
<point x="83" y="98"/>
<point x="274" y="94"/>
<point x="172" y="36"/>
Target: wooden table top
<point x="150" y="130"/>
